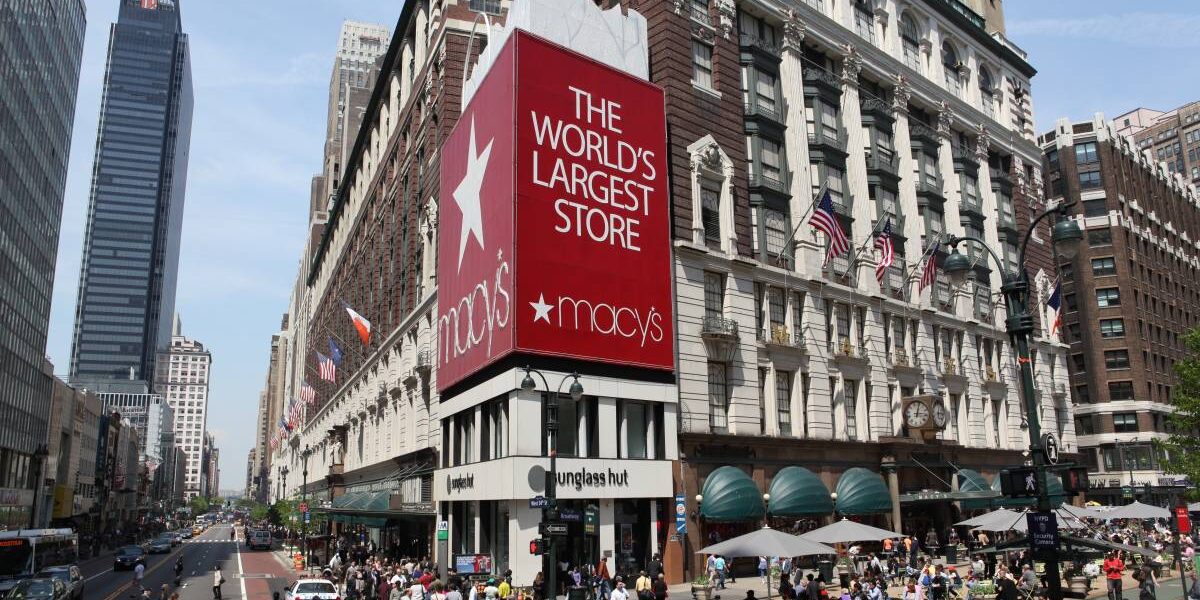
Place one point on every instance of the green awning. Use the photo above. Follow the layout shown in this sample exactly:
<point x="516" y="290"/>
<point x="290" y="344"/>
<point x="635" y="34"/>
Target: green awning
<point x="730" y="495"/>
<point x="970" y="480"/>
<point x="798" y="492"/>
<point x="862" y="492"/>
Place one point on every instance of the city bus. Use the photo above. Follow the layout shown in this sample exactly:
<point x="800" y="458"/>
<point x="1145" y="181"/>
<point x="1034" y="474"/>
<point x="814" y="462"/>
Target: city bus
<point x="25" y="552"/>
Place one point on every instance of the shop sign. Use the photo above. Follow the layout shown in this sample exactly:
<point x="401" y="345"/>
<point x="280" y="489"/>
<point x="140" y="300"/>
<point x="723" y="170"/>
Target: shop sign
<point x="593" y="478"/>
<point x="680" y="514"/>
<point x="554" y="231"/>
<point x="1182" y="521"/>
<point x="591" y="520"/>
<point x="459" y="483"/>
<point x="473" y="564"/>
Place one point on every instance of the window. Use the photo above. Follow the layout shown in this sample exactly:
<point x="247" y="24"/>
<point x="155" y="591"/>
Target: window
<point x="769" y="161"/>
<point x="1086" y="153"/>
<point x="950" y="69"/>
<point x="775" y="231"/>
<point x="1089" y="180"/>
<point x="1108" y="297"/>
<point x="778" y="311"/>
<point x="783" y="401"/>
<point x="850" y="400"/>
<point x="1052" y="159"/>
<point x="762" y="401"/>
<point x="1120" y="390"/>
<point x="1099" y="237"/>
<point x="1125" y="422"/>
<point x="710" y="212"/>
<point x="492" y="7"/>
<point x="714" y="296"/>
<point x="910" y="41"/>
<point x="1112" y="328"/>
<point x="638" y="416"/>
<point x="765" y="93"/>
<point x="718" y="398"/>
<point x="702" y="68"/>
<point x="1116" y="359"/>
<point x="700" y="11"/>
<point x="1094" y="208"/>
<point x="1082" y="394"/>
<point x="986" y="93"/>
<point x="1085" y="425"/>
<point x="822" y="120"/>
<point x="864" y="21"/>
<point x="970" y="190"/>
<point x="1104" y="266"/>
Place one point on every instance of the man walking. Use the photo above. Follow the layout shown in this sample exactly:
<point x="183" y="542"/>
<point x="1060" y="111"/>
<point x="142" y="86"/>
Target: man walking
<point x="217" y="581"/>
<point x="139" y="571"/>
<point x="719" y="567"/>
<point x="1113" y="568"/>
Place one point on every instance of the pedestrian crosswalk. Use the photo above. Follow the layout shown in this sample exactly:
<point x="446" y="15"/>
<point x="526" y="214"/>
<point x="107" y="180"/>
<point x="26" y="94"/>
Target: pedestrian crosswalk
<point x="210" y="541"/>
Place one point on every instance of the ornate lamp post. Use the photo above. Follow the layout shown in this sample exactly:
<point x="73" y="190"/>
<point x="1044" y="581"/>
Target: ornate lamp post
<point x="550" y="513"/>
<point x="1066" y="236"/>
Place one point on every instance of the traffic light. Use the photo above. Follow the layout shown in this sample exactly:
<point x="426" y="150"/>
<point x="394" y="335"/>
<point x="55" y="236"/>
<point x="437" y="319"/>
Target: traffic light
<point x="1076" y="479"/>
<point x="537" y="546"/>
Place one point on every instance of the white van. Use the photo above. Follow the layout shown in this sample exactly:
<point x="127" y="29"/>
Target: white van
<point x="259" y="538"/>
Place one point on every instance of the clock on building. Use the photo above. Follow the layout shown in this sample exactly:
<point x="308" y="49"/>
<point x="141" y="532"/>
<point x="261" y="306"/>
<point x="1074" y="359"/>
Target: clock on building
<point x="916" y="414"/>
<point x="939" y="415"/>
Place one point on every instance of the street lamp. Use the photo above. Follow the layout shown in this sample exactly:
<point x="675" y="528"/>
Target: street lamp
<point x="550" y="513"/>
<point x="304" y="500"/>
<point x="1066" y="236"/>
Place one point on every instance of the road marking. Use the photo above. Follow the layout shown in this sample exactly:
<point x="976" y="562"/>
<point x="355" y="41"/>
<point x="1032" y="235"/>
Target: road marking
<point x="241" y="572"/>
<point x="97" y="575"/>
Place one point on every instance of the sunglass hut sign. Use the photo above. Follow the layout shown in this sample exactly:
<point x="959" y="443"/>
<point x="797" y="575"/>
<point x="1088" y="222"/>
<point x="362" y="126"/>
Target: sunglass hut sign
<point x="554" y="237"/>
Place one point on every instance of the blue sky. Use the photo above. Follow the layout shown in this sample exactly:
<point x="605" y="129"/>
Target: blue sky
<point x="261" y="72"/>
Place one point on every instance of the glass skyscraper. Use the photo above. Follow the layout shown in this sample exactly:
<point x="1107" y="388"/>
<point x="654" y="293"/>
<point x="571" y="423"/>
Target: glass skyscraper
<point x="41" y="45"/>
<point x="131" y="252"/>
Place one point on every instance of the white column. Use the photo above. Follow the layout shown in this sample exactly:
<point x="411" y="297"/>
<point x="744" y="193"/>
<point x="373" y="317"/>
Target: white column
<point x="856" y="167"/>
<point x="951" y="189"/>
<point x="524" y="407"/>
<point x="607" y="533"/>
<point x="607" y="415"/>
<point x="770" y="404"/>
<point x="670" y="424"/>
<point x="791" y="79"/>
<point x="522" y="527"/>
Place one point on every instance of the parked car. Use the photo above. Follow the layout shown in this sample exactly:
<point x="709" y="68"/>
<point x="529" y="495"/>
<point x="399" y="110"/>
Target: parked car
<point x="311" y="589"/>
<point x="159" y="545"/>
<point x="70" y="576"/>
<point x="185" y="533"/>
<point x="259" y="539"/>
<point x="127" y="557"/>
<point x="176" y="538"/>
<point x="39" y="589"/>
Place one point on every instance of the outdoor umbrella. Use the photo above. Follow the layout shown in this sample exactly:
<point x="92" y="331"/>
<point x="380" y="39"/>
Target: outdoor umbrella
<point x="767" y="542"/>
<point x="846" y="531"/>
<point x="1194" y="507"/>
<point x="1137" y="510"/>
<point x="985" y="518"/>
<point x="1017" y="522"/>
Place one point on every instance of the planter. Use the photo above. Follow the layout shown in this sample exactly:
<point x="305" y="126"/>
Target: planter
<point x="701" y="592"/>
<point x="1080" y="584"/>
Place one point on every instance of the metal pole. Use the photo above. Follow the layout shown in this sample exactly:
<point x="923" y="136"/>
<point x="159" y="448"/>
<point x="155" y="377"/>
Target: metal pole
<point x="304" y="517"/>
<point x="1178" y="541"/>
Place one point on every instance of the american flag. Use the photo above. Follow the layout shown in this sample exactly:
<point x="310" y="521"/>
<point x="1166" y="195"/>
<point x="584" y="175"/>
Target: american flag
<point x="1054" y="303"/>
<point x="929" y="275"/>
<point x="825" y="220"/>
<point x="887" y="253"/>
<point x="307" y="393"/>
<point x="326" y="368"/>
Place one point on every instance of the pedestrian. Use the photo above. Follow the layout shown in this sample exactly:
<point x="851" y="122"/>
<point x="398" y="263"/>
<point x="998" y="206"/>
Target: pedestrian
<point x="644" y="586"/>
<point x="619" y="592"/>
<point x="762" y="568"/>
<point x="656" y="567"/>
<point x="719" y="567"/>
<point x="1113" y="571"/>
<point x="1006" y="588"/>
<point x="660" y="588"/>
<point x="218" y="579"/>
<point x="139" y="571"/>
<point x="604" y="578"/>
<point x="1147" y="584"/>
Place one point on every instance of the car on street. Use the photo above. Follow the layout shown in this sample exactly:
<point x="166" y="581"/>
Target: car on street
<point x="159" y="545"/>
<point x="69" y="575"/>
<point x="259" y="538"/>
<point x="185" y="533"/>
<point x="311" y="589"/>
<point x="176" y="537"/>
<point x="38" y="589"/>
<point x="127" y="557"/>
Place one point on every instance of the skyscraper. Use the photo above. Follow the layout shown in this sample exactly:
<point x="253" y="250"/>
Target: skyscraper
<point x="182" y="376"/>
<point x="39" y="76"/>
<point x="131" y="249"/>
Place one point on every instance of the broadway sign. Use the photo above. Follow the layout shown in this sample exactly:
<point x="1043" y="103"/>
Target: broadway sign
<point x="554" y="237"/>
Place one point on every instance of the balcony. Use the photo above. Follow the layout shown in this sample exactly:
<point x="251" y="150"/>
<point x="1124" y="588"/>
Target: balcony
<point x="766" y="48"/>
<point x="903" y="363"/>
<point x="700" y="15"/>
<point x="781" y="336"/>
<point x="769" y="182"/>
<point x="775" y="116"/>
<point x="877" y="107"/>
<point x="424" y="362"/>
<point x="720" y="337"/>
<point x="819" y="78"/>
<point x="921" y="133"/>
<point x="846" y="353"/>
<point x="887" y="162"/>
<point x="950" y="366"/>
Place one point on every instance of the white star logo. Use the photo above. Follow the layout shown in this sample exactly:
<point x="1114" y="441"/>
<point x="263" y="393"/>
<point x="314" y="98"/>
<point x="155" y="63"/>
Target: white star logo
<point x="466" y="195"/>
<point x="541" y="310"/>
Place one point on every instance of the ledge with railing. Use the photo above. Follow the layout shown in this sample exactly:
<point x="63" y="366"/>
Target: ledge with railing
<point x="771" y="182"/>
<point x="782" y="336"/>
<point x="754" y="109"/>
<point x="768" y="47"/>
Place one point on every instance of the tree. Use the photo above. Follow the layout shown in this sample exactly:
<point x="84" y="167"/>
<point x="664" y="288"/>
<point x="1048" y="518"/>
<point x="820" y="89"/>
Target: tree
<point x="199" y="505"/>
<point x="1182" y="448"/>
<point x="258" y="513"/>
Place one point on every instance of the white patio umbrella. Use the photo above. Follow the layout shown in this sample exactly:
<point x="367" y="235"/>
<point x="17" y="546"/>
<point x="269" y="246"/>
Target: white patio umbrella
<point x="988" y="517"/>
<point x="1017" y="522"/>
<point x="846" y="531"/>
<point x="767" y="542"/>
<point x="1194" y="507"/>
<point x="1137" y="510"/>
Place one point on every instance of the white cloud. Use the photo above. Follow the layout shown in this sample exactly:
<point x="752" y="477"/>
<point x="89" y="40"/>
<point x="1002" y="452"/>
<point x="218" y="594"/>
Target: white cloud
<point x="1157" y="30"/>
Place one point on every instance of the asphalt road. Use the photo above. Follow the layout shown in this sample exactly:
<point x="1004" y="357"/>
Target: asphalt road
<point x="201" y="556"/>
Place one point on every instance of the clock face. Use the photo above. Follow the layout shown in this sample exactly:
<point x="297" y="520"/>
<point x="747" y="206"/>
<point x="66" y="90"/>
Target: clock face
<point x="916" y="415"/>
<point x="939" y="415"/>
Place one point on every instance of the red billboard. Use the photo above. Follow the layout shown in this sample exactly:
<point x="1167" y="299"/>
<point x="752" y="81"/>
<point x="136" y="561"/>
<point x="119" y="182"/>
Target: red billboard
<point x="554" y="220"/>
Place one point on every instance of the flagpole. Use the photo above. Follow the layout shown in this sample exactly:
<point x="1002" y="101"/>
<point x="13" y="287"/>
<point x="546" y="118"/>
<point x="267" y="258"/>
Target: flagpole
<point x="791" y="241"/>
<point x="855" y="258"/>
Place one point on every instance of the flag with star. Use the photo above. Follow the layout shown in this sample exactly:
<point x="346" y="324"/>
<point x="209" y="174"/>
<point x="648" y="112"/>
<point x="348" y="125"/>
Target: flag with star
<point x="887" y="252"/>
<point x="326" y="368"/>
<point x="825" y="220"/>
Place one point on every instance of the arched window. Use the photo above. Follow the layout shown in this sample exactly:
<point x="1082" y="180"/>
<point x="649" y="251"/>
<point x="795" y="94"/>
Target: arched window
<point x="950" y="68"/>
<point x="986" y="91"/>
<point x="910" y="42"/>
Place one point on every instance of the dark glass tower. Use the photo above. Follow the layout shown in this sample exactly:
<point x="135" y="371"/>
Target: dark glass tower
<point x="135" y="216"/>
<point x="41" y="44"/>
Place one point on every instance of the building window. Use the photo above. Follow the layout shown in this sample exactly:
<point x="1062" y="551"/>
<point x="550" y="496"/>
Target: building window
<point x="1108" y="297"/>
<point x="765" y="92"/>
<point x="864" y="21"/>
<point x="986" y="92"/>
<point x="1086" y="153"/>
<point x="770" y="163"/>
<point x="783" y="401"/>
<point x="710" y="212"/>
<point x="950" y="69"/>
<point x="850" y="401"/>
<point x="1112" y="328"/>
<point x="1085" y="425"/>
<point x="718" y="398"/>
<point x="1116" y="359"/>
<point x="1082" y="394"/>
<point x="492" y="7"/>
<point x="638" y="416"/>
<point x="804" y="383"/>
<point x="700" y="11"/>
<point x="1120" y="390"/>
<point x="1089" y="180"/>
<point x="777" y="306"/>
<point x="775" y="232"/>
<point x="1104" y="266"/>
<point x="910" y="42"/>
<point x="1125" y="422"/>
<point x="1099" y="237"/>
<point x="1052" y="159"/>
<point x="822" y="120"/>
<point x="762" y="401"/>
<point x="702" y="67"/>
<point x="714" y="296"/>
<point x="1094" y="208"/>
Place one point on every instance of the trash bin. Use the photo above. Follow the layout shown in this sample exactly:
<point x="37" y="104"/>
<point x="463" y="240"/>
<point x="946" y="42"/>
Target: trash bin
<point x="844" y="579"/>
<point x="951" y="554"/>
<point x="577" y="592"/>
<point x="825" y="569"/>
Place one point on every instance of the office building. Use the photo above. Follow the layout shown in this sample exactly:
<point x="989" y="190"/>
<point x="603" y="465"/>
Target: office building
<point x="151" y="416"/>
<point x="1171" y="137"/>
<point x="1129" y="298"/>
<point x="70" y="468"/>
<point x="135" y="213"/>
<point x="183" y="372"/>
<point x="39" y="79"/>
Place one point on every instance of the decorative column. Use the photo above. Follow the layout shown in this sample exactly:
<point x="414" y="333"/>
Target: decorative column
<point x="856" y="163"/>
<point x="913" y="227"/>
<point x="791" y="81"/>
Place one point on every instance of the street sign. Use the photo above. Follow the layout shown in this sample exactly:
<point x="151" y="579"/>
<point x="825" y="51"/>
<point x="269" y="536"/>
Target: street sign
<point x="1127" y="491"/>
<point x="570" y="514"/>
<point x="1050" y="447"/>
<point x="539" y="502"/>
<point x="591" y="520"/>
<point x="1016" y="483"/>
<point x="680" y="514"/>
<point x="1182" y="520"/>
<point x="303" y="507"/>
<point x="307" y="517"/>
<point x="443" y="530"/>
<point x="552" y="528"/>
<point x="1043" y="530"/>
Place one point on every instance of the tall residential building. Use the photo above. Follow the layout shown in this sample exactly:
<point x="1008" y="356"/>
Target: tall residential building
<point x="39" y="78"/>
<point x="1171" y="137"/>
<point x="1129" y="298"/>
<point x="250" y="473"/>
<point x="182" y="376"/>
<point x="135" y="216"/>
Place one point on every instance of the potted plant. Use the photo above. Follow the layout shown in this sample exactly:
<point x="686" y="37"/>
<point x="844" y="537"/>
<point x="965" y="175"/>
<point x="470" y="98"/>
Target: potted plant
<point x="702" y="588"/>
<point x="984" y="590"/>
<point x="1076" y="580"/>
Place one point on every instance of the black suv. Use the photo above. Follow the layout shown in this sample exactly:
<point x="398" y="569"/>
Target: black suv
<point x="128" y="557"/>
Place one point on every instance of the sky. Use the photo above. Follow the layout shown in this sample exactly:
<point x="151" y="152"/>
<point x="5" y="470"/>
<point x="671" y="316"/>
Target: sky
<point x="261" y="75"/>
